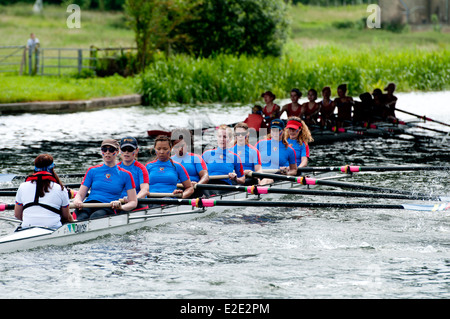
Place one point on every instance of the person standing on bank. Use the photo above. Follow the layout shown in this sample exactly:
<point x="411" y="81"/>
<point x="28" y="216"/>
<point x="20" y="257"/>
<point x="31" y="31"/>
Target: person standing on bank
<point x="128" y="151"/>
<point x="106" y="183"/>
<point x="42" y="199"/>
<point x="33" y="46"/>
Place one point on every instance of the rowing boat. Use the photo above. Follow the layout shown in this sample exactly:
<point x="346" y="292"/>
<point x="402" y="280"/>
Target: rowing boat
<point x="172" y="210"/>
<point x="81" y="231"/>
<point x="330" y="136"/>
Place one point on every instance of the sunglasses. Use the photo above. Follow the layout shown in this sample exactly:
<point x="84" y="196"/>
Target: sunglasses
<point x="108" y="149"/>
<point x="241" y="134"/>
<point x="127" y="149"/>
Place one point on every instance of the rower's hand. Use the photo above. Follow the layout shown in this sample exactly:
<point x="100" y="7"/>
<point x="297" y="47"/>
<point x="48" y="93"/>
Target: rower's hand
<point x="78" y="203"/>
<point x="177" y="191"/>
<point x="232" y="176"/>
<point x="284" y="170"/>
<point x="116" y="204"/>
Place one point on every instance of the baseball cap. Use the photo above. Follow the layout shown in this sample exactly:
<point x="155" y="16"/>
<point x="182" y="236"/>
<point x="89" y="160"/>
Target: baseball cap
<point x="110" y="142"/>
<point x="128" y="141"/>
<point x="277" y="123"/>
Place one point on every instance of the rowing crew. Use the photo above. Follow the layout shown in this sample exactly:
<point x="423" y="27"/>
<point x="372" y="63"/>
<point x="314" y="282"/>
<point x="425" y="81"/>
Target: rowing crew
<point x="43" y="201"/>
<point x="373" y="107"/>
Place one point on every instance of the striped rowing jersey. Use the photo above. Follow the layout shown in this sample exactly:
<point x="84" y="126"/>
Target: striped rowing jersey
<point x="107" y="183"/>
<point x="274" y="154"/>
<point x="222" y="162"/>
<point x="249" y="155"/>
<point x="193" y="164"/>
<point x="164" y="176"/>
<point x="139" y="172"/>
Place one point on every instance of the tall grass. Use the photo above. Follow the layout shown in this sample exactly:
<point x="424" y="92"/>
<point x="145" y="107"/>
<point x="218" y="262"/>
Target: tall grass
<point x="226" y="78"/>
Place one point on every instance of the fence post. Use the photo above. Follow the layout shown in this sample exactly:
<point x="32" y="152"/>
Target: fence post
<point x="80" y="60"/>
<point x="36" y="58"/>
<point x="30" y="61"/>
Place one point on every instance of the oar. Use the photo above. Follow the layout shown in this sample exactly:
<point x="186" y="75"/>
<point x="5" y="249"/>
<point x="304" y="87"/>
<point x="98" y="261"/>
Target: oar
<point x="256" y="190"/>
<point x="356" y="169"/>
<point x="312" y="181"/>
<point x="425" y="118"/>
<point x="199" y="202"/>
<point x="10" y="177"/>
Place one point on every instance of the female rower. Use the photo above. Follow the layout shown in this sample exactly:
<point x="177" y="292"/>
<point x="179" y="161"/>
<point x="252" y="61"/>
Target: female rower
<point x="128" y="151"/>
<point x="327" y="107"/>
<point x="293" y="108"/>
<point x="193" y="163"/>
<point x="250" y="156"/>
<point x="271" y="110"/>
<point x="42" y="200"/>
<point x="298" y="136"/>
<point x="276" y="152"/>
<point x="106" y="183"/>
<point x="222" y="161"/>
<point x="311" y="109"/>
<point x="164" y="173"/>
<point x="344" y="105"/>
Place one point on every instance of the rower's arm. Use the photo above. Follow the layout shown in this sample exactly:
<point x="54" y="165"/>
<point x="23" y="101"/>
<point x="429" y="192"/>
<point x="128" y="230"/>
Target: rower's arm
<point x="292" y="170"/>
<point x="144" y="190"/>
<point x="304" y="162"/>
<point x="66" y="216"/>
<point x="132" y="200"/>
<point x="18" y="211"/>
<point x="188" y="189"/>
<point x="204" y="177"/>
<point x="80" y="196"/>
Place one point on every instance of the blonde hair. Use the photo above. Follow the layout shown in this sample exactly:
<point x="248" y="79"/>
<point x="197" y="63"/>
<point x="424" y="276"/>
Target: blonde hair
<point x="305" y="134"/>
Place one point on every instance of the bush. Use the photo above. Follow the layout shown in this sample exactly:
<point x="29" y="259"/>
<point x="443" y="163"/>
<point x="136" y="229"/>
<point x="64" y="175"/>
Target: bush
<point x="252" y="27"/>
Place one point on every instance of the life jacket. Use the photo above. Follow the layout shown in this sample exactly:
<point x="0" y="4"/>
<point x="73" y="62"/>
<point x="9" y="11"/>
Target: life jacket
<point x="39" y="177"/>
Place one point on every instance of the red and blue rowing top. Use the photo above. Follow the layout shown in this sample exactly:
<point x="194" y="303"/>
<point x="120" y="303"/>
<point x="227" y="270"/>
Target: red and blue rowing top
<point x="164" y="176"/>
<point x="249" y="155"/>
<point x="193" y="164"/>
<point x="274" y="154"/>
<point x="300" y="150"/>
<point x="222" y="162"/>
<point x="139" y="172"/>
<point x="107" y="183"/>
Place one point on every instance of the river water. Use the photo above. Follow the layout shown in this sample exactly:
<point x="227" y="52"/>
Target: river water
<point x="240" y="253"/>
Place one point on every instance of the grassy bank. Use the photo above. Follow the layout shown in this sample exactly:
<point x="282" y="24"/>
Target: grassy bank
<point x="27" y="88"/>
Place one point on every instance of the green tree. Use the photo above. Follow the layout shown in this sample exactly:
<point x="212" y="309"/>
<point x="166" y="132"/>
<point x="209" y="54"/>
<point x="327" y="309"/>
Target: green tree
<point x="155" y="23"/>
<point x="254" y="27"/>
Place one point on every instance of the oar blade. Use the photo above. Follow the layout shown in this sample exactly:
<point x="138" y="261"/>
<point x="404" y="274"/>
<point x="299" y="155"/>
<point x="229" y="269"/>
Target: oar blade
<point x="427" y="208"/>
<point x="5" y="178"/>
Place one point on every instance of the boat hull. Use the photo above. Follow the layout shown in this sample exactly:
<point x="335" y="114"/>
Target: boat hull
<point x="82" y="231"/>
